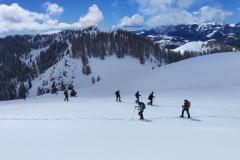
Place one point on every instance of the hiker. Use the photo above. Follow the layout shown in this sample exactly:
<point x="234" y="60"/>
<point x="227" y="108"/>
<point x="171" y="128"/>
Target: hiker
<point x="150" y="97"/>
<point x="141" y="107"/>
<point x="118" y="98"/>
<point x="66" y="95"/>
<point x="185" y="107"/>
<point x="73" y="93"/>
<point x="137" y="95"/>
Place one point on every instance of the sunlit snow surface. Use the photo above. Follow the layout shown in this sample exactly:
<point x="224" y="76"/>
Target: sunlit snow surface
<point x="93" y="126"/>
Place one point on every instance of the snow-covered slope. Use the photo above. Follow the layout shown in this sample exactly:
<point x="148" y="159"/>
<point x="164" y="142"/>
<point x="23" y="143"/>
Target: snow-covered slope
<point x="192" y="46"/>
<point x="200" y="47"/>
<point x="93" y="126"/>
<point x="69" y="71"/>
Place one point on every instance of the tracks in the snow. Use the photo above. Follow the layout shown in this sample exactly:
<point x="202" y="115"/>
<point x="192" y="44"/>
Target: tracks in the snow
<point x="194" y="118"/>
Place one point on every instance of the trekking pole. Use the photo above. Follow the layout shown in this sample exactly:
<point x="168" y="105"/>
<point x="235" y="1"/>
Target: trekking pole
<point x="134" y="112"/>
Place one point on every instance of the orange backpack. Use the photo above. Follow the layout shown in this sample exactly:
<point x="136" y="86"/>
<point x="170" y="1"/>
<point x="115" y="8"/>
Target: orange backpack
<point x="189" y="104"/>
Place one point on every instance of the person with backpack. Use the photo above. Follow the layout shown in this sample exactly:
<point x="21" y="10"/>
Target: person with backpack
<point x="186" y="107"/>
<point x="66" y="95"/>
<point x="137" y="95"/>
<point x="141" y="107"/>
<point x="73" y="93"/>
<point x="150" y="97"/>
<point x="118" y="97"/>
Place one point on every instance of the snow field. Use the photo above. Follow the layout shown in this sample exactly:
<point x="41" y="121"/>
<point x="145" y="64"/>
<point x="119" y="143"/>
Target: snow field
<point x="93" y="126"/>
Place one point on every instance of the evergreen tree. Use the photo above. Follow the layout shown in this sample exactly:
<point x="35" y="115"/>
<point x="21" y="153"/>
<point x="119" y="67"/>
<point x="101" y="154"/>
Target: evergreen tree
<point x="39" y="91"/>
<point x="22" y="91"/>
<point x="88" y="70"/>
<point x="98" y="78"/>
<point x="54" y="88"/>
<point x="93" y="80"/>
<point x="62" y="86"/>
<point x="29" y="83"/>
<point x="83" y="70"/>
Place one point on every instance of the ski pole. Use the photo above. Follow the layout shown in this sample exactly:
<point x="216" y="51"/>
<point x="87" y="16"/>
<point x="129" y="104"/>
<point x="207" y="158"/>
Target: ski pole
<point x="134" y="112"/>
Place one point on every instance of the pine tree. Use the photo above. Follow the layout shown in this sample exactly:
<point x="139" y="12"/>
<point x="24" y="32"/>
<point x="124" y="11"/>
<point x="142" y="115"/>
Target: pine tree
<point x="63" y="86"/>
<point x="39" y="91"/>
<point x="29" y="83"/>
<point x="54" y="88"/>
<point x="22" y="91"/>
<point x="98" y="78"/>
<point x="93" y="80"/>
<point x="83" y="70"/>
<point x="88" y="70"/>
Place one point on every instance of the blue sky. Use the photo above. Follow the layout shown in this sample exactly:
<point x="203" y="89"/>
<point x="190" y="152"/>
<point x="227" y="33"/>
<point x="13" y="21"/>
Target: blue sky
<point x="40" y="16"/>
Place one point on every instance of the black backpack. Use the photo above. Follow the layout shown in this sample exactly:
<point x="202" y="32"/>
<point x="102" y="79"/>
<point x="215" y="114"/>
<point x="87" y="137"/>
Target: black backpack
<point x="149" y="97"/>
<point x="143" y="105"/>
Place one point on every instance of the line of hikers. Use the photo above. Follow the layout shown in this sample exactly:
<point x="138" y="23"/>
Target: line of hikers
<point x="141" y="105"/>
<point x="137" y="95"/>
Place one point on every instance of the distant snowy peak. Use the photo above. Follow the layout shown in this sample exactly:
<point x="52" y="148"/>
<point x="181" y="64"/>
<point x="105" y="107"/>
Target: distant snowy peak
<point x="183" y="33"/>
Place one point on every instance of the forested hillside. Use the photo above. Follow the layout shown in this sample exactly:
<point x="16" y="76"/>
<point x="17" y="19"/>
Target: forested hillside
<point x="23" y="58"/>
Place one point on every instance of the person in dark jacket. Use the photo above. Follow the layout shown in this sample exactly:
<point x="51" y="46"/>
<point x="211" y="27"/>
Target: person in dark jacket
<point x="141" y="107"/>
<point x="118" y="97"/>
<point x="150" y="97"/>
<point x="66" y="95"/>
<point x="73" y="93"/>
<point x="185" y="107"/>
<point x="137" y="95"/>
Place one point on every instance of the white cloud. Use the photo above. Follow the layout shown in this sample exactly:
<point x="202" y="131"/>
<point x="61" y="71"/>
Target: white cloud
<point x="153" y="7"/>
<point x="172" y="18"/>
<point x="166" y="12"/>
<point x="184" y="3"/>
<point x="93" y="18"/>
<point x="15" y="18"/>
<point x="135" y="21"/>
<point x="207" y="13"/>
<point x="53" y="9"/>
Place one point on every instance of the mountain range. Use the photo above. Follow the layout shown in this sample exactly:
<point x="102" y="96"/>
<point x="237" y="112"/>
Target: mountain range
<point x="174" y="36"/>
